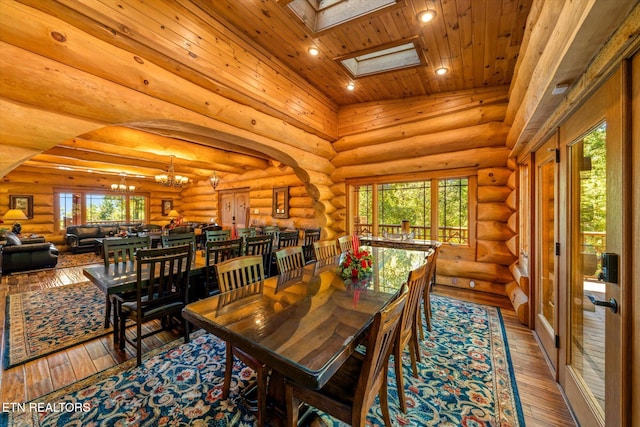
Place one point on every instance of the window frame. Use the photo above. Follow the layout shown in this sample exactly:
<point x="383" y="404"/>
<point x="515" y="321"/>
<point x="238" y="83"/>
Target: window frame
<point x="82" y="193"/>
<point x="471" y="174"/>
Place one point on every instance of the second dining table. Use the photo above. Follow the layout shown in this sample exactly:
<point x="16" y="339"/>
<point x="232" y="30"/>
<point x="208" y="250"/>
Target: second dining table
<point x="305" y="323"/>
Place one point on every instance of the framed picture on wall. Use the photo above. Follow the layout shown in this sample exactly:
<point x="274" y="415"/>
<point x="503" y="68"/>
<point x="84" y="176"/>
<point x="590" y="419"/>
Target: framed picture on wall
<point x="167" y="205"/>
<point x="24" y="203"/>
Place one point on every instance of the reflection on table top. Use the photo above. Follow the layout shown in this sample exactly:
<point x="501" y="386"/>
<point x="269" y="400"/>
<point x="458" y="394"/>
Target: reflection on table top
<point x="305" y="323"/>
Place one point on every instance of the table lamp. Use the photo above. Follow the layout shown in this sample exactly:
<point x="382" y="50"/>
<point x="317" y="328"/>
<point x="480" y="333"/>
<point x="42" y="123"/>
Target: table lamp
<point x="15" y="215"/>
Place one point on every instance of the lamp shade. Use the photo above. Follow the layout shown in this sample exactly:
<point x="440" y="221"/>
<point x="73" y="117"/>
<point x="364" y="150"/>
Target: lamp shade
<point x="173" y="213"/>
<point x="14" y="215"/>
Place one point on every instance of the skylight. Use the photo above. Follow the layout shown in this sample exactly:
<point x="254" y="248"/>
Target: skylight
<point x="388" y="59"/>
<point x="319" y="15"/>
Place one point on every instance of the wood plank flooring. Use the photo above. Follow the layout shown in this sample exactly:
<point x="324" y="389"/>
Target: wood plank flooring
<point x="542" y="401"/>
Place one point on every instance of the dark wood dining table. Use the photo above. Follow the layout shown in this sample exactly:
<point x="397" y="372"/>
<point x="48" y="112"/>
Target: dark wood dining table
<point x="305" y="323"/>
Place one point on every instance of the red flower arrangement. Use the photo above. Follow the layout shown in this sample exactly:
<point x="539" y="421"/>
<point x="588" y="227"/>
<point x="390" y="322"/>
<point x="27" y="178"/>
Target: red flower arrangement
<point x="356" y="265"/>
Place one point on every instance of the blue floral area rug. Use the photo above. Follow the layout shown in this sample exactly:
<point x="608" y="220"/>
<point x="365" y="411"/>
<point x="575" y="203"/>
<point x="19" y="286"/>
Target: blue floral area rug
<point x="41" y="322"/>
<point x="466" y="378"/>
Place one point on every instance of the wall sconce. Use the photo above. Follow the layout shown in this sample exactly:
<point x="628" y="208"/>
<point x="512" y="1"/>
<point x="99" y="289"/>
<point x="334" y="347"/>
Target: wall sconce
<point x="214" y="180"/>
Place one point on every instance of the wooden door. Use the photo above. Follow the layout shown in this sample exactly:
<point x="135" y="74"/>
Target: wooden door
<point x="233" y="208"/>
<point x="593" y="372"/>
<point x="546" y="320"/>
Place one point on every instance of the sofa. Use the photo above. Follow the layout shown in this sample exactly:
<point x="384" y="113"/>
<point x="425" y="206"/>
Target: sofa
<point x="82" y="238"/>
<point x="26" y="254"/>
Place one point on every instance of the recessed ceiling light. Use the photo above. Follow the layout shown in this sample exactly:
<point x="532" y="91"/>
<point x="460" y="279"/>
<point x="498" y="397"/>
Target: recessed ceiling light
<point x="313" y="51"/>
<point x="442" y="71"/>
<point x="426" y="15"/>
<point x="351" y="86"/>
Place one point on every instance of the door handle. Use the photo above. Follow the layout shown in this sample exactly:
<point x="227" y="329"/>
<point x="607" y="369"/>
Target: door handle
<point x="612" y="303"/>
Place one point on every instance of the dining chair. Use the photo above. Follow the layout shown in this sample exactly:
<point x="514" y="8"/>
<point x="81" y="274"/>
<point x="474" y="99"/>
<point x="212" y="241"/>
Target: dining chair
<point x="245" y="232"/>
<point x="325" y="249"/>
<point x="270" y="229"/>
<point x="310" y="236"/>
<point x="233" y="274"/>
<point x="431" y="257"/>
<point x="289" y="258"/>
<point x="183" y="229"/>
<point x="115" y="251"/>
<point x="213" y="235"/>
<point x="260" y="245"/>
<point x="407" y="330"/>
<point x="162" y="282"/>
<point x="350" y="392"/>
<point x="216" y="252"/>
<point x="179" y="240"/>
<point x="345" y="243"/>
<point x="288" y="238"/>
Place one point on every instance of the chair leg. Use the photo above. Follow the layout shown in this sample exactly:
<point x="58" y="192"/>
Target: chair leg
<point x="397" y="361"/>
<point x="292" y="407"/>
<point x="121" y="336"/>
<point x="116" y="318"/>
<point x="187" y="331"/>
<point x="228" y="372"/>
<point x="107" y="313"/>
<point x="139" y="342"/>
<point x="384" y="404"/>
<point x="414" y="354"/>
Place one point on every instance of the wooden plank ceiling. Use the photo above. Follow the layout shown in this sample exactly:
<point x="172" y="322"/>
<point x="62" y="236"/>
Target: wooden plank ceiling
<point x="476" y="40"/>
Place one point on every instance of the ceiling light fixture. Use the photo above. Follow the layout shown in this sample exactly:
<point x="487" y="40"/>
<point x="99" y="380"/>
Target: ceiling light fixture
<point x="351" y="86"/>
<point x="442" y="71"/>
<point x="123" y="187"/>
<point x="313" y="51"/>
<point x="214" y="180"/>
<point x="170" y="179"/>
<point x="426" y="15"/>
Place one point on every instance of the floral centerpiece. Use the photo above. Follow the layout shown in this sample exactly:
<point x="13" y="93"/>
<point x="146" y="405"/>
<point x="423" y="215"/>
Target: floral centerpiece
<point x="356" y="265"/>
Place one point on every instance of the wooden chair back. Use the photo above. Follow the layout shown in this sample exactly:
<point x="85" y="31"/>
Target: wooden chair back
<point x="288" y="238"/>
<point x="117" y="250"/>
<point x="325" y="249"/>
<point x="216" y="252"/>
<point x="289" y="258"/>
<point x="367" y="376"/>
<point x="245" y="232"/>
<point x="408" y="328"/>
<point x="311" y="235"/>
<point x="431" y="257"/>
<point x="345" y="243"/>
<point x="179" y="240"/>
<point x="242" y="271"/>
<point x="183" y="229"/>
<point x="162" y="282"/>
<point x="260" y="245"/>
<point x="270" y="229"/>
<point x="213" y="235"/>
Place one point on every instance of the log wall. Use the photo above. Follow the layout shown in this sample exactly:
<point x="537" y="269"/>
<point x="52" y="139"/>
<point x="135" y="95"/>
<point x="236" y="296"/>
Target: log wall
<point x="432" y="135"/>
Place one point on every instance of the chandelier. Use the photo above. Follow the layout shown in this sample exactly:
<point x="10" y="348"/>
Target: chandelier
<point x="214" y="180"/>
<point x="123" y="187"/>
<point x="170" y="179"/>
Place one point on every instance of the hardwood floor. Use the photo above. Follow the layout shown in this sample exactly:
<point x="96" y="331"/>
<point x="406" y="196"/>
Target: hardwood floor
<point x="542" y="401"/>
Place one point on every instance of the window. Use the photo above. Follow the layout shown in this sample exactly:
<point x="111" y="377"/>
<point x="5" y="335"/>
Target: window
<point x="453" y="211"/>
<point x="381" y="207"/>
<point x="74" y="208"/>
